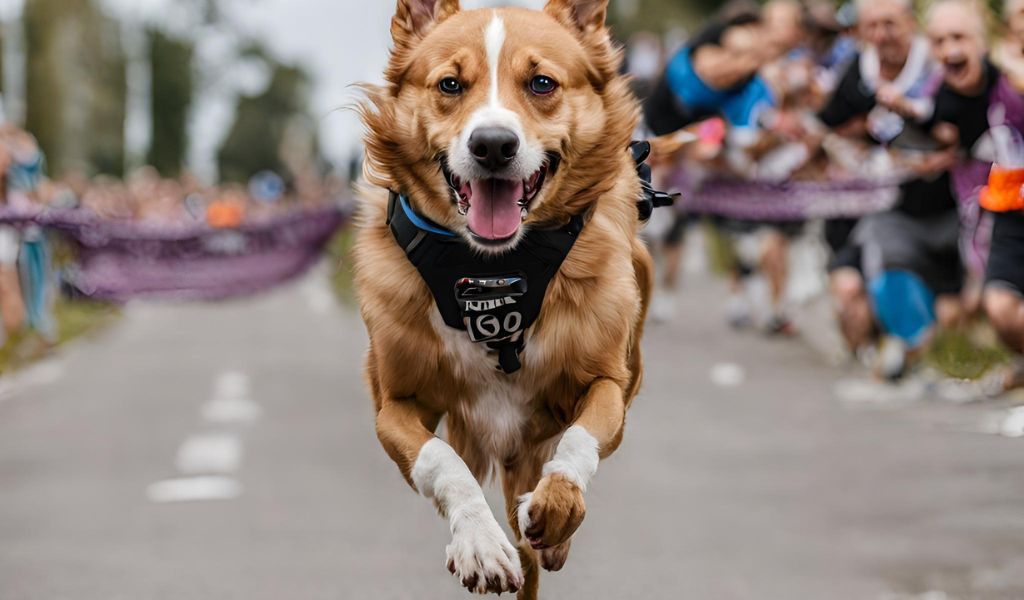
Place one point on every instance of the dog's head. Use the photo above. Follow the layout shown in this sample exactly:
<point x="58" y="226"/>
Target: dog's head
<point x="494" y="121"/>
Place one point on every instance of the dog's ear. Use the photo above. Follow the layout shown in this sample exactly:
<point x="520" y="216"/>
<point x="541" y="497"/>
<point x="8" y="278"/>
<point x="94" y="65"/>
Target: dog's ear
<point x="587" y="16"/>
<point x="413" y="18"/>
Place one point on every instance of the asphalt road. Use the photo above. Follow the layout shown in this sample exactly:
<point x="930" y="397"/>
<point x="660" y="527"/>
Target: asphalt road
<point x="742" y="475"/>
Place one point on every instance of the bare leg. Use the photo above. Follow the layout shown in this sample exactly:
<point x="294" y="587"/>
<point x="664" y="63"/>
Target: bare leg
<point x="949" y="309"/>
<point x="1005" y="310"/>
<point x="775" y="266"/>
<point x="673" y="255"/>
<point x="856" y="322"/>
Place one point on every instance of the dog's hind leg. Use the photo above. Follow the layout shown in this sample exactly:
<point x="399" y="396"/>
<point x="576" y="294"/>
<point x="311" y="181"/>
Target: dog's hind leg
<point x="518" y="479"/>
<point x="643" y="266"/>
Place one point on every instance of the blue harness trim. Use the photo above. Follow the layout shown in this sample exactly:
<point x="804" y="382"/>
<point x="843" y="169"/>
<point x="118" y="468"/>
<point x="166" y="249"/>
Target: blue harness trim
<point x="422" y="222"/>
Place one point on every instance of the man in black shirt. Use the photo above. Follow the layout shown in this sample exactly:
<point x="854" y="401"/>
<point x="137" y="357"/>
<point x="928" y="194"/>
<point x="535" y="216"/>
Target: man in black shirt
<point x="912" y="251"/>
<point x="973" y="94"/>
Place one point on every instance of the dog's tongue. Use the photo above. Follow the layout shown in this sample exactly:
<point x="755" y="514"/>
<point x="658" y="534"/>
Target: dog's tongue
<point x="494" y="212"/>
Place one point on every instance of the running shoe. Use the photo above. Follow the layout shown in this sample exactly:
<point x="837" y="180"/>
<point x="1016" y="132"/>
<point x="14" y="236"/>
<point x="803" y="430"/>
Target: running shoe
<point x="738" y="313"/>
<point x="892" y="359"/>
<point x="780" y="325"/>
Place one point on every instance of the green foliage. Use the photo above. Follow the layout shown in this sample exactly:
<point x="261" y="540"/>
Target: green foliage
<point x="75" y="318"/>
<point x="964" y="356"/>
<point x="45" y="89"/>
<point x="170" y="62"/>
<point x="254" y="142"/>
<point x="105" y="151"/>
<point x="76" y="85"/>
<point x="339" y="257"/>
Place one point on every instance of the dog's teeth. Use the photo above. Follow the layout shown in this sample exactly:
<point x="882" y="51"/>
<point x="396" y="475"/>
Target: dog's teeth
<point x="525" y="213"/>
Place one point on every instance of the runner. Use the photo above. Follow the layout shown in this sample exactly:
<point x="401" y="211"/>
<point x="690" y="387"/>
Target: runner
<point x="904" y="264"/>
<point x="973" y="96"/>
<point x="716" y="74"/>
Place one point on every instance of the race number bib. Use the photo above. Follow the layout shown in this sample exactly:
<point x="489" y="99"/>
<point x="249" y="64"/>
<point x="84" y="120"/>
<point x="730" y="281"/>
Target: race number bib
<point x="490" y="307"/>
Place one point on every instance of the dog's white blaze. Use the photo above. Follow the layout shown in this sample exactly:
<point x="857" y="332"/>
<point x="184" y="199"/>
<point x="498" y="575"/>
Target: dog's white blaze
<point x="494" y="114"/>
<point x="494" y="41"/>
<point x="576" y="458"/>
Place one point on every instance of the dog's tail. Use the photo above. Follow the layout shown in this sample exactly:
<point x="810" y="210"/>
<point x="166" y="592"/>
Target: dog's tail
<point x="665" y="148"/>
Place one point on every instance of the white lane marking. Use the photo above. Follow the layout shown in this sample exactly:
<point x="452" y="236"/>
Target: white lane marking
<point x="231" y="402"/>
<point x="728" y="375"/>
<point x="231" y="410"/>
<point x="194" y="489"/>
<point x="205" y="460"/>
<point x="231" y="383"/>
<point x="209" y="453"/>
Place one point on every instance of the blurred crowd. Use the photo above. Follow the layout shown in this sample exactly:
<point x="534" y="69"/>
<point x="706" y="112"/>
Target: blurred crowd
<point x="31" y="278"/>
<point x="874" y="91"/>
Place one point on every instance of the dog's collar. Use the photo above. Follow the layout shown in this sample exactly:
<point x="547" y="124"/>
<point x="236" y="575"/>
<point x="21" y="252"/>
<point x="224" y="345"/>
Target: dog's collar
<point x="497" y="298"/>
<point x="421" y="223"/>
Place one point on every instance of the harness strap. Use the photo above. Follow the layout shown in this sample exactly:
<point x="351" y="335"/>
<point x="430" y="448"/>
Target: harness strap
<point x="497" y="298"/>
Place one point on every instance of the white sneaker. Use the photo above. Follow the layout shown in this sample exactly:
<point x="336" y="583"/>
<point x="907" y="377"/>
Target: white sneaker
<point x="738" y="313"/>
<point x="892" y="359"/>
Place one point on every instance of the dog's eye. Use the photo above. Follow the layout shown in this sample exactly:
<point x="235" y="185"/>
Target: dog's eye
<point x="542" y="85"/>
<point x="450" y="86"/>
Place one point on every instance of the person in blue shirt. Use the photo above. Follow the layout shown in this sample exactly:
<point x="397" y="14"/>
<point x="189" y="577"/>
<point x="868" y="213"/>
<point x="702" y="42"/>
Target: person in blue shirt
<point x="717" y="75"/>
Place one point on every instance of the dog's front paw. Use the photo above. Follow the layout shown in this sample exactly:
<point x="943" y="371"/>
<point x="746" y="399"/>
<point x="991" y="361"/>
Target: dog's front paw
<point x="552" y="513"/>
<point x="481" y="556"/>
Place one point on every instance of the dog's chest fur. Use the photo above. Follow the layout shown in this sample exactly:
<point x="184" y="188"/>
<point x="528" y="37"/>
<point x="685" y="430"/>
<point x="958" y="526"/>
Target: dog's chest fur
<point x="497" y="406"/>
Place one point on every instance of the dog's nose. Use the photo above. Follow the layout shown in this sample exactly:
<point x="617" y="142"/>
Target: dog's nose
<point x="494" y="147"/>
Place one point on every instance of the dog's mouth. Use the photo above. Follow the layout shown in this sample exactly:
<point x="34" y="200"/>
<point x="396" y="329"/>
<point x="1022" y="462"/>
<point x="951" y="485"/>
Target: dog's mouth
<point x="496" y="208"/>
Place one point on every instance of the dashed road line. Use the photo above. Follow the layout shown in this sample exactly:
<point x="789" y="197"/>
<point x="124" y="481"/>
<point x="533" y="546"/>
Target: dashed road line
<point x="194" y="489"/>
<point x="206" y="461"/>
<point x="209" y="454"/>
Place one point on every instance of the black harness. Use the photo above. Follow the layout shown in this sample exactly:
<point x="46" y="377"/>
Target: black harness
<point x="496" y="298"/>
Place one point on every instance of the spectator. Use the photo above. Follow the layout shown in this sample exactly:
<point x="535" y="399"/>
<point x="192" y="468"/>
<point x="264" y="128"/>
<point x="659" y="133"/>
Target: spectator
<point x="896" y="262"/>
<point x="1009" y="54"/>
<point x="973" y="95"/>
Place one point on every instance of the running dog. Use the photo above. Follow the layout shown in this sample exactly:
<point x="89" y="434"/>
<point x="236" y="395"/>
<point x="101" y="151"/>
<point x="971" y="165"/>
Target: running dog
<point x="499" y="271"/>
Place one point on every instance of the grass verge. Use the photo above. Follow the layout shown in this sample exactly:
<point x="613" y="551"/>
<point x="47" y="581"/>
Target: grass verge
<point x="339" y="253"/>
<point x="75" y="318"/>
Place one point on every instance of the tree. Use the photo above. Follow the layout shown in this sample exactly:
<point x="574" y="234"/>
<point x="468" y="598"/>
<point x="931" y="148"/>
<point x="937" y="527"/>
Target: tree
<point x="255" y="138"/>
<point x="76" y="85"/>
<point x="171" y="96"/>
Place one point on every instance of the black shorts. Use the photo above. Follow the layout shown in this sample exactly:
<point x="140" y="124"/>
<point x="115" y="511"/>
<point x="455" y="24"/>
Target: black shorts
<point x="926" y="245"/>
<point x="845" y="254"/>
<point x="677" y="232"/>
<point x="1006" y="260"/>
